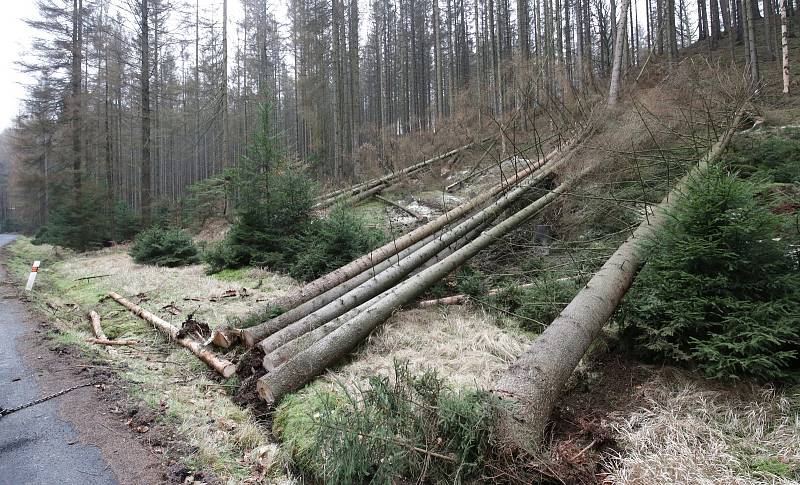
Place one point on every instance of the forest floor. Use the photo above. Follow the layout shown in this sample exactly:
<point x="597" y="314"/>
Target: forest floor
<point x="619" y="421"/>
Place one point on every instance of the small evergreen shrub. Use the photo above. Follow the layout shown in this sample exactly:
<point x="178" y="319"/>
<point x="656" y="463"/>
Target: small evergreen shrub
<point x="88" y="224"/>
<point x="164" y="247"/>
<point x="394" y="430"/>
<point x="268" y="230"/>
<point x="472" y="282"/>
<point x="273" y="209"/>
<point x="720" y="290"/>
<point x="208" y="198"/>
<point x="332" y="242"/>
<point x="536" y="306"/>
<point x="776" y="156"/>
<point x="275" y="227"/>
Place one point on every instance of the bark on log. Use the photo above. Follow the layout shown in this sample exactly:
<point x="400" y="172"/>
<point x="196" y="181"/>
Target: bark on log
<point x="222" y="366"/>
<point x="533" y="382"/>
<point x="367" y="261"/>
<point x="97" y="329"/>
<point x="398" y="206"/>
<point x="255" y="334"/>
<point x="785" y="46"/>
<point x="354" y="200"/>
<point x="105" y="341"/>
<point x="380" y="281"/>
<point x="459" y="236"/>
<point x="391" y="177"/>
<point x="309" y="363"/>
<point x="461" y="299"/>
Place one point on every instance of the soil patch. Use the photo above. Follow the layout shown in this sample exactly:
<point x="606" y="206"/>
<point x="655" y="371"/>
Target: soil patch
<point x="581" y="434"/>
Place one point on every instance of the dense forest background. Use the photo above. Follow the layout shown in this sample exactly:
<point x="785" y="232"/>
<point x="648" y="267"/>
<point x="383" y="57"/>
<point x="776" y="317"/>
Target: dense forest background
<point x="136" y="101"/>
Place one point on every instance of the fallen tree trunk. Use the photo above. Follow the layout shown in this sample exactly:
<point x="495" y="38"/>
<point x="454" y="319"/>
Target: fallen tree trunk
<point x="531" y="385"/>
<point x="355" y="199"/>
<point x="393" y="176"/>
<point x="398" y="206"/>
<point x="255" y="334"/>
<point x="367" y="261"/>
<point x="320" y="355"/>
<point x="450" y="187"/>
<point x="461" y="299"/>
<point x="332" y="297"/>
<point x="375" y="285"/>
<point x="475" y="173"/>
<point x="97" y="329"/>
<point x="105" y="341"/>
<point x="222" y="366"/>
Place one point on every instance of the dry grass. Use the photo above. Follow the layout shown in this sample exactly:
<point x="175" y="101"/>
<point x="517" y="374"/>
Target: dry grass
<point x="459" y="343"/>
<point x="171" y="285"/>
<point x="690" y="434"/>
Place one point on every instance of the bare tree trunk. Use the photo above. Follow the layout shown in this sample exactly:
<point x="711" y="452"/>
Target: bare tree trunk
<point x="109" y="149"/>
<point x="145" y="85"/>
<point x="616" y="69"/>
<point x="331" y="280"/>
<point x="785" y="46"/>
<point x="768" y="15"/>
<point x="533" y="382"/>
<point x="75" y="99"/>
<point x="437" y="61"/>
<point x="324" y="353"/>
<point x="751" y="41"/>
<point x="374" y="285"/>
<point x="222" y="366"/>
<point x="225" y="129"/>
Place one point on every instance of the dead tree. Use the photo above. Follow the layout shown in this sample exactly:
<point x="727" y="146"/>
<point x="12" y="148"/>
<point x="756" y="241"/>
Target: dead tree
<point x="222" y="366"/>
<point x="325" y="352"/>
<point x="531" y="385"/>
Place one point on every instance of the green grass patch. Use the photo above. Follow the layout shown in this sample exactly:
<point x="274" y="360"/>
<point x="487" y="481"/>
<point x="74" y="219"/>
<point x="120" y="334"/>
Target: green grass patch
<point x="401" y="427"/>
<point x="772" y="467"/>
<point x="238" y="275"/>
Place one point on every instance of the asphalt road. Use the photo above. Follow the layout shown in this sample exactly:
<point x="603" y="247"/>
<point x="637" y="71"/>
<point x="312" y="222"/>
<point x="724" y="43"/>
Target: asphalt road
<point x="36" y="446"/>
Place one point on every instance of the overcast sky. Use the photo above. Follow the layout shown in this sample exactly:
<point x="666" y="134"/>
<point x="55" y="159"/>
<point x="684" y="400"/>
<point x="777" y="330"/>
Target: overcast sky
<point x="15" y="37"/>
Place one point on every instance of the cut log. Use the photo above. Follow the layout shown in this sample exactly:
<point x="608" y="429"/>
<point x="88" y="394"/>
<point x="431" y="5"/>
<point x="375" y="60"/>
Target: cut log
<point x="531" y="385"/>
<point x="367" y="261"/>
<point x="224" y="337"/>
<point x="105" y="341"/>
<point x="333" y="303"/>
<point x="398" y="206"/>
<point x="458" y="236"/>
<point x="305" y="365"/>
<point x="461" y="299"/>
<point x="391" y="177"/>
<point x="222" y="366"/>
<point x="97" y="329"/>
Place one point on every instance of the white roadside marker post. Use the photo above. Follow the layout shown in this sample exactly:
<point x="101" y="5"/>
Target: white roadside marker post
<point x="32" y="276"/>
